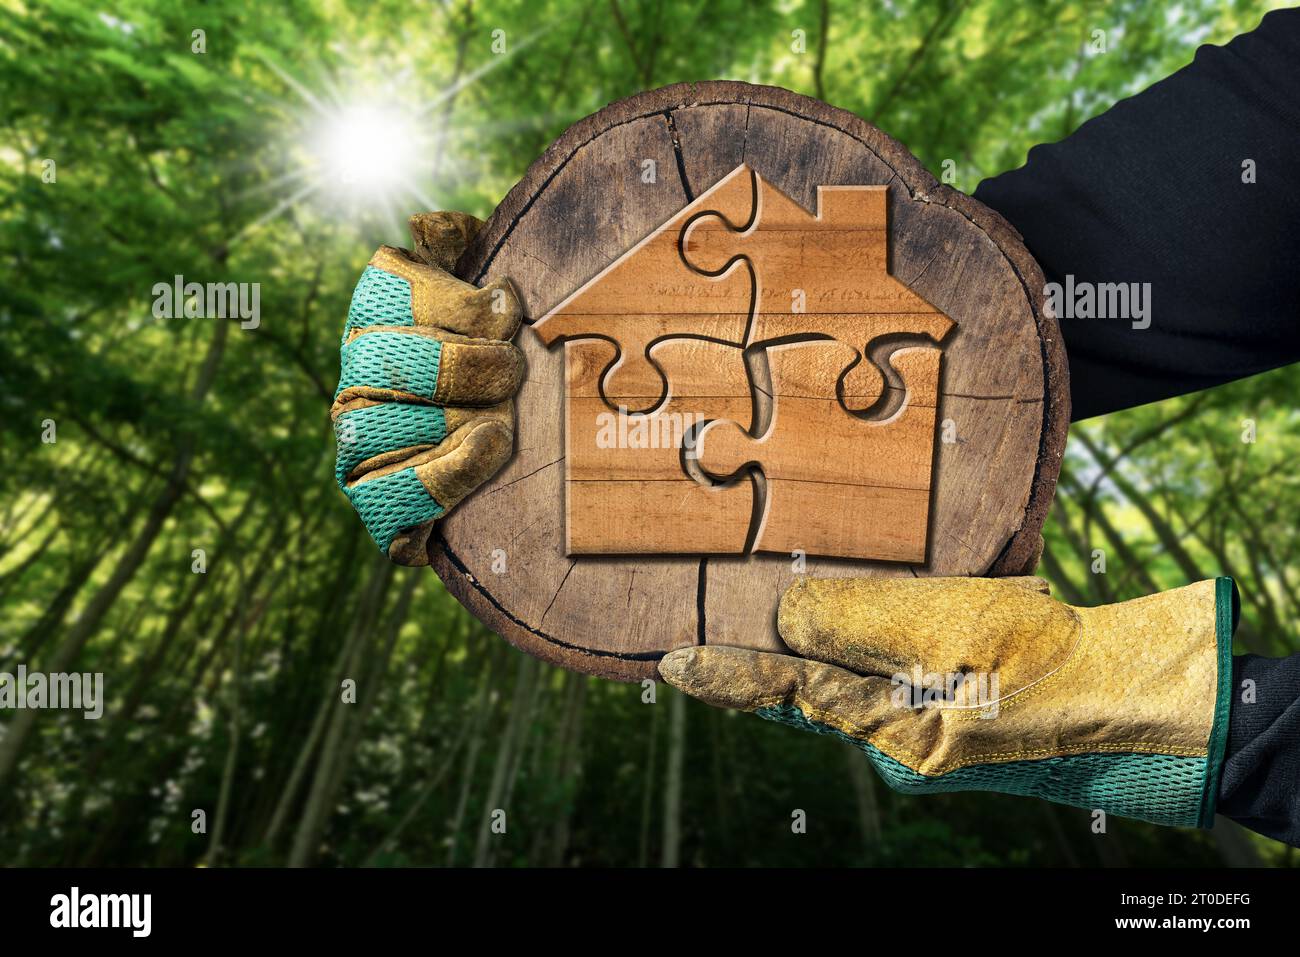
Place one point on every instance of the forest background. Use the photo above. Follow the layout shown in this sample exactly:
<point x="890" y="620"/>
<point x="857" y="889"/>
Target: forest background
<point x="182" y="532"/>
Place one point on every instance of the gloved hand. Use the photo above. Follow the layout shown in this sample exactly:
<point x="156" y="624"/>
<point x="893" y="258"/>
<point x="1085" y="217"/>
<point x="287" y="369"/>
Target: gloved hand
<point x="424" y="412"/>
<point x="1122" y="707"/>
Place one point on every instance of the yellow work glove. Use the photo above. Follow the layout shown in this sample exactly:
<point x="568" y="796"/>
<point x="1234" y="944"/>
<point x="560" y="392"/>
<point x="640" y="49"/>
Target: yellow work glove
<point x="970" y="684"/>
<point x="424" y="412"/>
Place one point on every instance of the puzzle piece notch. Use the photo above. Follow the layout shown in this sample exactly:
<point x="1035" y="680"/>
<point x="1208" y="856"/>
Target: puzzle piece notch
<point x="876" y="389"/>
<point x="650" y="293"/>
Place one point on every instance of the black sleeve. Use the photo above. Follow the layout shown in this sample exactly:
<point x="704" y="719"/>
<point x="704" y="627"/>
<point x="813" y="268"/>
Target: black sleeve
<point x="1151" y="191"/>
<point x="1260" y="783"/>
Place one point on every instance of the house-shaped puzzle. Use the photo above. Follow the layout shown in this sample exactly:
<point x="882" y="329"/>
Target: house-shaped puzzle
<point x="749" y="377"/>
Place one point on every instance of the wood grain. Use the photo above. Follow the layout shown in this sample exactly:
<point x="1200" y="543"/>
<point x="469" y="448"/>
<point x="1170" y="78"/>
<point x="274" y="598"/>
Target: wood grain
<point x="1002" y="391"/>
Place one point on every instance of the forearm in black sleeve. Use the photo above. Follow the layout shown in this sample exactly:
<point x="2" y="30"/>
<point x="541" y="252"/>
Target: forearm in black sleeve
<point x="1260" y="783"/>
<point x="1152" y="192"/>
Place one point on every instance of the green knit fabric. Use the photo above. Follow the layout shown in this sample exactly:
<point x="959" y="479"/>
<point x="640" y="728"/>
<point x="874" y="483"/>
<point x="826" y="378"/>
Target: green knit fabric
<point x="1227" y="612"/>
<point x="403" y="363"/>
<point x="392" y="503"/>
<point x="391" y="360"/>
<point x="1161" y="788"/>
<point x="380" y="299"/>
<point x="365" y="433"/>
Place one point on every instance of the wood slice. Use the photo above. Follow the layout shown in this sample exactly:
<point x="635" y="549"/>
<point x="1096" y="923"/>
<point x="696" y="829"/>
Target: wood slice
<point x="1002" y="401"/>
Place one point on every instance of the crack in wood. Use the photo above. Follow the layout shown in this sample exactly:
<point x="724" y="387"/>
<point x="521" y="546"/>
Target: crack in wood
<point x="677" y="154"/>
<point x="701" y="581"/>
<point x="540" y="468"/>
<point x="541" y="621"/>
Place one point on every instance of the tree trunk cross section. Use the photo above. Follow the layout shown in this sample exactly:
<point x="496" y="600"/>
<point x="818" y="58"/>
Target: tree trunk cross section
<point x="998" y="423"/>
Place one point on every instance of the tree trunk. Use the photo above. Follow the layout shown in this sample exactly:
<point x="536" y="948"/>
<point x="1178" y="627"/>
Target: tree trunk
<point x="435" y="779"/>
<point x="371" y="683"/>
<point x="316" y="810"/>
<point x="570" y="768"/>
<point x="671" y="852"/>
<point x="232" y="753"/>
<point x="864" y="793"/>
<point x="487" y="696"/>
<point x="648" y="787"/>
<point x="525" y="677"/>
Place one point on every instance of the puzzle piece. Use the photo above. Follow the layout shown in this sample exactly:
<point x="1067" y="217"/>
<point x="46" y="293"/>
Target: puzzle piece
<point x="650" y="293"/>
<point x="819" y="274"/>
<point x="837" y="484"/>
<point x="626" y="489"/>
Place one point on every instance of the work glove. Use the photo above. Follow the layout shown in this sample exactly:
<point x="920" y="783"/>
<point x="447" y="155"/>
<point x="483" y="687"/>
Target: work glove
<point x="1122" y="708"/>
<point x="424" y="413"/>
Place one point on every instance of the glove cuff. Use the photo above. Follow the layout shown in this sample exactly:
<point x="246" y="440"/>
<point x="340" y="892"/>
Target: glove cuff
<point x="1227" y="611"/>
